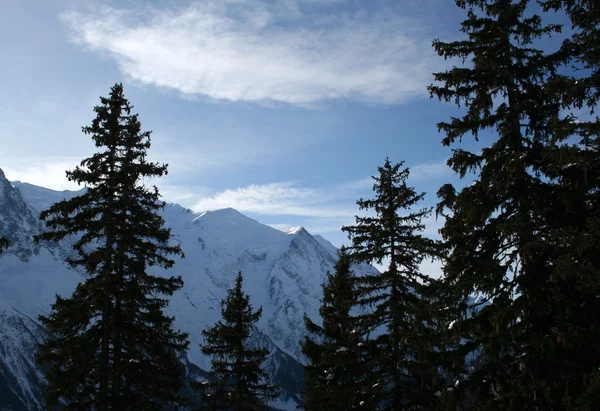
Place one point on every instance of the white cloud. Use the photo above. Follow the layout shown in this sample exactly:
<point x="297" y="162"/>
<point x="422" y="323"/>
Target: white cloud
<point x="358" y="184"/>
<point x="335" y="204"/>
<point x="275" y="199"/>
<point x="419" y="172"/>
<point x="184" y="195"/>
<point x="256" y="50"/>
<point x="39" y="172"/>
<point x="429" y="171"/>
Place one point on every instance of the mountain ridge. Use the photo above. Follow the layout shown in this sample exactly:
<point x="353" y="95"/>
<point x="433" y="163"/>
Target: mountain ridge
<point x="283" y="274"/>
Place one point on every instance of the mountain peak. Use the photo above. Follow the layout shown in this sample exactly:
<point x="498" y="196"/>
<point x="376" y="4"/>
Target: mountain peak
<point x="224" y="215"/>
<point x="293" y="230"/>
<point x="284" y="270"/>
<point x="229" y="211"/>
<point x="41" y="198"/>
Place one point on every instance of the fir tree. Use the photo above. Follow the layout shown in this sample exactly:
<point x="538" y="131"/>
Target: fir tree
<point x="241" y="383"/>
<point x="111" y="346"/>
<point x="580" y="88"/>
<point x="3" y="244"/>
<point x="577" y="170"/>
<point x="398" y="313"/>
<point x="501" y="229"/>
<point x="335" y="374"/>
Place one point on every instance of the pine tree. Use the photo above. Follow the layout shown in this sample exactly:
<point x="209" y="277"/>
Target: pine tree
<point x="111" y="346"/>
<point x="3" y="244"/>
<point x="398" y="313"/>
<point x="501" y="229"/>
<point x="241" y="383"/>
<point x="335" y="373"/>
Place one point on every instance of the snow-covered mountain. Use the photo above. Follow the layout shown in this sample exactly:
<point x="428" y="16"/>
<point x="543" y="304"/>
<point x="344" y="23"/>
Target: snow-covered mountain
<point x="283" y="272"/>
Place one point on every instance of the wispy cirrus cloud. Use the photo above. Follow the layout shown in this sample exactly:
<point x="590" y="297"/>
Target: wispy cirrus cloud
<point x="429" y="171"/>
<point x="283" y="198"/>
<point x="288" y="198"/>
<point x="257" y="50"/>
<point x="418" y="173"/>
<point x="41" y="171"/>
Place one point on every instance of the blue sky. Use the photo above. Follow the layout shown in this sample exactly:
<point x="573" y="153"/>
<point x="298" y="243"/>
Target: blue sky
<point x="280" y="109"/>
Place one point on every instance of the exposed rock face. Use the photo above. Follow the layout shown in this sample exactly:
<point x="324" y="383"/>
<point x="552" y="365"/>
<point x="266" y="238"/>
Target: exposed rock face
<point x="18" y="221"/>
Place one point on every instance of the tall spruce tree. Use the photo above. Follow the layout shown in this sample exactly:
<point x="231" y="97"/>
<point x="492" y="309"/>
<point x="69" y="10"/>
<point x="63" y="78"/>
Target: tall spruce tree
<point x="578" y="172"/>
<point x="397" y="312"/>
<point x="335" y="374"/>
<point x="501" y="230"/>
<point x="111" y="347"/>
<point x="241" y="383"/>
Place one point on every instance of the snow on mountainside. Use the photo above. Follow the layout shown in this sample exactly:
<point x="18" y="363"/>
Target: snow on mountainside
<point x="283" y="272"/>
<point x="18" y="220"/>
<point x="40" y="198"/>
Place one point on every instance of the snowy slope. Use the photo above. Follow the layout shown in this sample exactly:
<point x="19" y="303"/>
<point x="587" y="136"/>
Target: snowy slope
<point x="283" y="272"/>
<point x="40" y="198"/>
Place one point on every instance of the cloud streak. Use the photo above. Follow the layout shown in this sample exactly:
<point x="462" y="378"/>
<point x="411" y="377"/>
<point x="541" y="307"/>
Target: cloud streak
<point x="429" y="171"/>
<point x="287" y="198"/>
<point x="261" y="51"/>
<point x="419" y="172"/>
<point x="40" y="171"/>
<point x="275" y="199"/>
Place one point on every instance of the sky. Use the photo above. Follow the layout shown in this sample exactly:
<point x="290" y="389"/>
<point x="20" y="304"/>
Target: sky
<point x="281" y="109"/>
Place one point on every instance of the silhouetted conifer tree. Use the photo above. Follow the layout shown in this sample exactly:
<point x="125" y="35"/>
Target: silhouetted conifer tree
<point x="111" y="347"/>
<point x="577" y="170"/>
<point x="502" y="229"/>
<point x="335" y="375"/>
<point x="241" y="383"/>
<point x="397" y="312"/>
